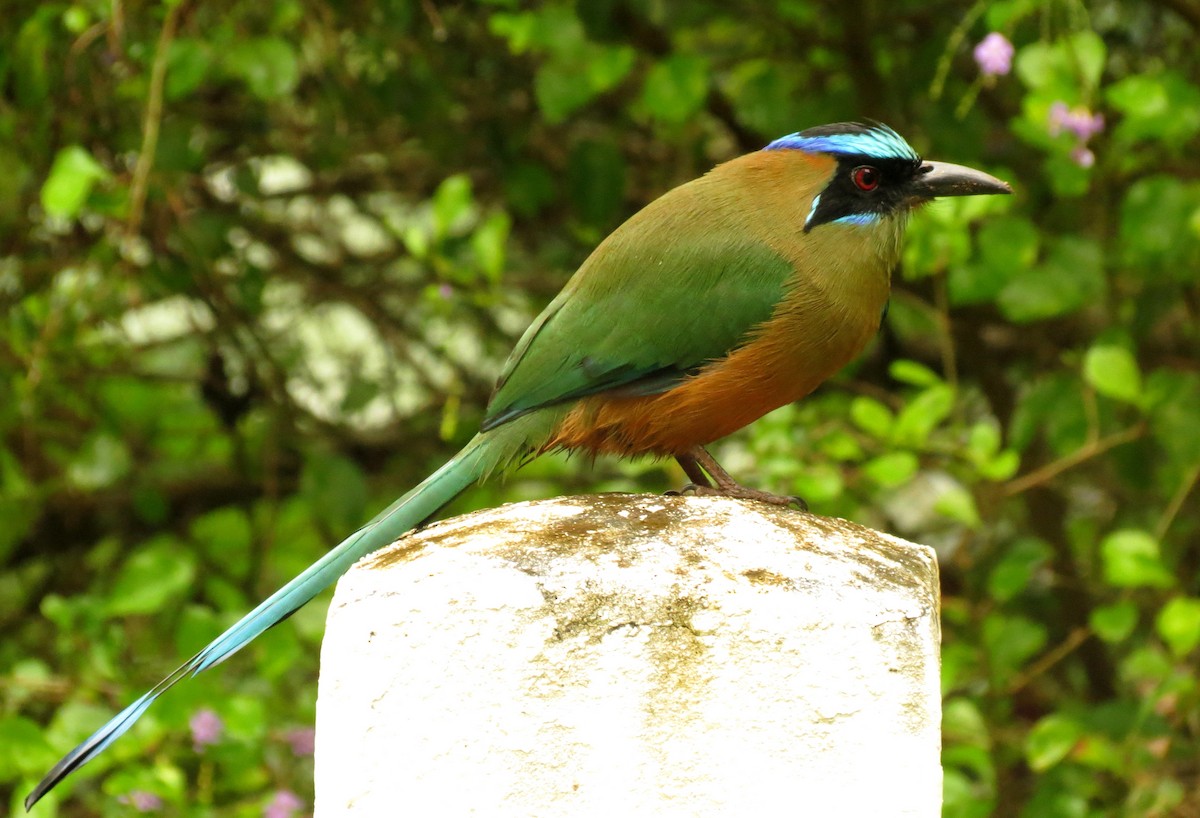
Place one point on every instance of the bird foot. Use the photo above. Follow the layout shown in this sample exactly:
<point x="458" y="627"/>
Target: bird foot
<point x="739" y="492"/>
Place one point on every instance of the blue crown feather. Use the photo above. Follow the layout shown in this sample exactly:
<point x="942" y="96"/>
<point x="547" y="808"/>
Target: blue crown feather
<point x="849" y="139"/>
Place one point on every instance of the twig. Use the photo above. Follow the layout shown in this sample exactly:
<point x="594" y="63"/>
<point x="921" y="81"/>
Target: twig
<point x="953" y="43"/>
<point x="1092" y="448"/>
<point x="1181" y="494"/>
<point x="945" y="331"/>
<point x="1074" y="639"/>
<point x="152" y="121"/>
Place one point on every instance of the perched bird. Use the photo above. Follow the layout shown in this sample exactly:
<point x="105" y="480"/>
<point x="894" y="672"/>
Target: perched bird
<point x="727" y="297"/>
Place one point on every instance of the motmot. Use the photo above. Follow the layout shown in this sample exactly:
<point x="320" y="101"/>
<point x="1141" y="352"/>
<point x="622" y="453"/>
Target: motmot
<point x="725" y="298"/>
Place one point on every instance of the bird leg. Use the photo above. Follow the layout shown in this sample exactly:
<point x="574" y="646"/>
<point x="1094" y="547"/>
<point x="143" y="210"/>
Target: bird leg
<point x="699" y="465"/>
<point x="693" y="471"/>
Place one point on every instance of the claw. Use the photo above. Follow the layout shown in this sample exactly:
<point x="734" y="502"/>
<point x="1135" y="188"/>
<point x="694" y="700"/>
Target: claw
<point x="697" y="463"/>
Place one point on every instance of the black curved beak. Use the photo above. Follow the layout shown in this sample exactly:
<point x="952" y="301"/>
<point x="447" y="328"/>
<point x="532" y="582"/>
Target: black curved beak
<point x="934" y="179"/>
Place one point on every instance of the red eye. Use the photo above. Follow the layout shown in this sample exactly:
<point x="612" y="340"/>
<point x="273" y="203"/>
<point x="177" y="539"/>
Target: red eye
<point x="865" y="177"/>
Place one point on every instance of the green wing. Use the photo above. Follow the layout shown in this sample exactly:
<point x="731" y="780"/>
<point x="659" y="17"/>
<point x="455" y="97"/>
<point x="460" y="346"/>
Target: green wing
<point x="664" y="294"/>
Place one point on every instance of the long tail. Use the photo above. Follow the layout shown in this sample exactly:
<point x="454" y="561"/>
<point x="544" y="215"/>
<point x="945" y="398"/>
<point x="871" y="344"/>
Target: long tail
<point x="469" y="465"/>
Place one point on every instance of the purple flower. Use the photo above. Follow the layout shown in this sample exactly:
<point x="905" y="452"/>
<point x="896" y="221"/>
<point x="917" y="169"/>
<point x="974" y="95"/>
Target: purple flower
<point x="1081" y="155"/>
<point x="302" y="739"/>
<point x="1079" y="121"/>
<point x="141" y="800"/>
<point x="207" y="728"/>
<point x="994" y="55"/>
<point x="282" y="805"/>
<point x="446" y="291"/>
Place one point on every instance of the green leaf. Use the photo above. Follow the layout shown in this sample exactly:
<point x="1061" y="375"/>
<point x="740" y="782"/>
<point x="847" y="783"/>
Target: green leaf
<point x="30" y="66"/>
<point x="1001" y="467"/>
<point x="1173" y="400"/>
<point x="100" y="462"/>
<point x="1089" y="53"/>
<point x="225" y="536"/>
<point x="1007" y="245"/>
<point x="913" y="373"/>
<point x="1113" y="371"/>
<point x="336" y="490"/>
<point x="892" y="469"/>
<point x="23" y="748"/>
<point x="564" y="85"/>
<point x="1010" y="641"/>
<point x="819" y="483"/>
<point x="1017" y="567"/>
<point x="528" y="187"/>
<point x="1115" y="622"/>
<point x="1178" y="624"/>
<point x="1063" y="66"/>
<point x="676" y="87"/>
<point x="957" y="503"/>
<point x="983" y="441"/>
<point x="452" y="205"/>
<point x="1071" y="277"/>
<point x="872" y="417"/>
<point x="596" y="179"/>
<point x="1131" y="560"/>
<point x="489" y="244"/>
<point x="1051" y="740"/>
<point x="155" y="575"/>
<point x="964" y="724"/>
<point x="1051" y="407"/>
<point x="188" y="62"/>
<point x="1156" y="228"/>
<point x="1162" y="106"/>
<point x="920" y="417"/>
<point x="838" y="445"/>
<point x="72" y="177"/>
<point x="267" y="65"/>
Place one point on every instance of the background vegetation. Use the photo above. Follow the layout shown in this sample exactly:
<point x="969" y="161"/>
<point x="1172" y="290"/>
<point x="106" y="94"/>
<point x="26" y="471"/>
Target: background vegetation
<point x="261" y="261"/>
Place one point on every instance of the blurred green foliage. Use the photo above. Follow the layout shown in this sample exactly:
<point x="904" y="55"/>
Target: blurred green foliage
<point x="260" y="262"/>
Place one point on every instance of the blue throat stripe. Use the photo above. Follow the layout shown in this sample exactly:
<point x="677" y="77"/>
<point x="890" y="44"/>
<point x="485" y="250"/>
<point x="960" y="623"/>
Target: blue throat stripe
<point x="858" y="218"/>
<point x="877" y="141"/>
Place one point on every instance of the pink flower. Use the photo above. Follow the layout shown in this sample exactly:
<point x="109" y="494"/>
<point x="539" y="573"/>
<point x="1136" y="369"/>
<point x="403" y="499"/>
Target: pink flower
<point x="994" y="55"/>
<point x="302" y="739"/>
<point x="141" y="800"/>
<point x="1081" y="155"/>
<point x="282" y="805"/>
<point x="207" y="728"/>
<point x="1079" y="121"/>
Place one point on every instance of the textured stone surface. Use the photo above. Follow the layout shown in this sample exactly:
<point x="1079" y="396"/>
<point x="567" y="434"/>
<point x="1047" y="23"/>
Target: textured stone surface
<point x="633" y="655"/>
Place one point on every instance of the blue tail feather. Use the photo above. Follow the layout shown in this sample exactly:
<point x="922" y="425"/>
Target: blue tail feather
<point x="403" y="515"/>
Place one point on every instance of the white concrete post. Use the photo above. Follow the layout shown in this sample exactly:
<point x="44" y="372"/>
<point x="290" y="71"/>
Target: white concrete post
<point x="633" y="656"/>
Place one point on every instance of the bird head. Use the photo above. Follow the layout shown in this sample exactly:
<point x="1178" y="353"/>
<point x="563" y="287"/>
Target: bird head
<point x="878" y="174"/>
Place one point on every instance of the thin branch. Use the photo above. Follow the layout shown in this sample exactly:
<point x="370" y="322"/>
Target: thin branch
<point x="1181" y="494"/>
<point x="1093" y="448"/>
<point x="1068" y="646"/>
<point x="152" y="121"/>
<point x="945" y="329"/>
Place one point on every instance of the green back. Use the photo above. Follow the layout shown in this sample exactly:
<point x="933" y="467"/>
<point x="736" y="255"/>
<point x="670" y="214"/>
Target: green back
<point x="681" y="283"/>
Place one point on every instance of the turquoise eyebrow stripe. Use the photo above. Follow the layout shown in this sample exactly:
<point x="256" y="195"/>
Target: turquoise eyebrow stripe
<point x="879" y="142"/>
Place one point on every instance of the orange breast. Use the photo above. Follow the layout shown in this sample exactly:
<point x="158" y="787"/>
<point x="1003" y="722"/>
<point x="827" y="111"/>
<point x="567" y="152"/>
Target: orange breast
<point x="807" y="341"/>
